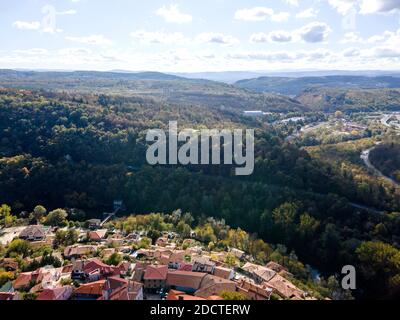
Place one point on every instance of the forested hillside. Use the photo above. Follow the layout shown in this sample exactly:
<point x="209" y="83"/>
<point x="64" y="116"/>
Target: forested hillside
<point x="83" y="151"/>
<point x="294" y="86"/>
<point x="351" y="100"/>
<point x="158" y="86"/>
<point x="386" y="157"/>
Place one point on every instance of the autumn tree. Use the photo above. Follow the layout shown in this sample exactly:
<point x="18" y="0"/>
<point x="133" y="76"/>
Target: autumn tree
<point x="57" y="218"/>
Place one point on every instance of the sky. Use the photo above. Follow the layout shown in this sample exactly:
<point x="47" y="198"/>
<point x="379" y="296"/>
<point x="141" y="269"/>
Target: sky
<point x="200" y="36"/>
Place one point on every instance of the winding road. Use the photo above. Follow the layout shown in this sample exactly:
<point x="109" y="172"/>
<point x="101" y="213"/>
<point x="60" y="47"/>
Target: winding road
<point x="366" y="153"/>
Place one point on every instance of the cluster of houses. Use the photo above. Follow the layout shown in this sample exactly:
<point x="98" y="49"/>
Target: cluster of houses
<point x="164" y="271"/>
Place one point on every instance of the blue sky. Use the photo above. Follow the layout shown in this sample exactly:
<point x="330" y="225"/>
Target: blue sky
<point x="207" y="35"/>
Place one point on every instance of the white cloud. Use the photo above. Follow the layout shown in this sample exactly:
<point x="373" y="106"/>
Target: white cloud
<point x="260" y="14"/>
<point x="351" y="37"/>
<point x="274" y="36"/>
<point x="25" y="25"/>
<point x="172" y="14"/>
<point x="284" y="56"/>
<point x="308" y="13"/>
<point x="314" y="32"/>
<point x="218" y="38"/>
<point x="387" y="38"/>
<point x="158" y="37"/>
<point x="292" y="2"/>
<point x="351" y="52"/>
<point x="32" y="52"/>
<point x="343" y="6"/>
<point x="96" y="39"/>
<point x="365" y="6"/>
<point x="177" y="38"/>
<point x="373" y="6"/>
<point x="280" y="17"/>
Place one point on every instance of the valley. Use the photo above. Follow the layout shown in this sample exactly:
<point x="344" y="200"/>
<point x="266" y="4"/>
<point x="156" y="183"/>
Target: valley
<point x="76" y="141"/>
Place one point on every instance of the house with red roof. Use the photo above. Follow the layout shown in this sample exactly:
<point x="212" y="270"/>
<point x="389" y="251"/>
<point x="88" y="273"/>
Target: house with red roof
<point x="90" y="291"/>
<point x="92" y="270"/>
<point x="214" y="286"/>
<point x="9" y="296"/>
<point x="97" y="235"/>
<point x="155" y="277"/>
<point x="25" y="279"/>
<point x="175" y="295"/>
<point x="56" y="294"/>
<point x="185" y="281"/>
<point x="130" y="291"/>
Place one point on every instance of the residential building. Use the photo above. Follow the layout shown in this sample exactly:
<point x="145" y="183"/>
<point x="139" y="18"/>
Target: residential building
<point x="185" y="281"/>
<point x="94" y="224"/>
<point x="214" y="286"/>
<point x="155" y="277"/>
<point x="59" y="293"/>
<point x="258" y="273"/>
<point x="175" y="295"/>
<point x="90" y="291"/>
<point x="33" y="233"/>
<point x="285" y="288"/>
<point x="78" y="251"/>
<point x="224" y="273"/>
<point x="97" y="235"/>
<point x="253" y="291"/>
<point x="203" y="264"/>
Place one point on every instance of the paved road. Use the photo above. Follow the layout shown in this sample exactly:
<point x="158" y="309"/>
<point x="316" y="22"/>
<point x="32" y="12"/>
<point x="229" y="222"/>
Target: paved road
<point x="365" y="157"/>
<point x="362" y="207"/>
<point x="387" y="117"/>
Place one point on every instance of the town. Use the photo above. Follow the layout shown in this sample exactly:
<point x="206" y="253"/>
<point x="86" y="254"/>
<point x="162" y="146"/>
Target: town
<point x="120" y="260"/>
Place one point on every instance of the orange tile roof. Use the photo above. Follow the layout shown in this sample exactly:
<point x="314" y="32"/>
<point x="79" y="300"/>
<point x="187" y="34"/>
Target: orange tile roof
<point x="23" y="280"/>
<point x="93" y="288"/>
<point x="284" y="287"/>
<point x="174" y="295"/>
<point x="115" y="282"/>
<point x="61" y="293"/>
<point x="154" y="272"/>
<point x="187" y="279"/>
<point x="212" y="286"/>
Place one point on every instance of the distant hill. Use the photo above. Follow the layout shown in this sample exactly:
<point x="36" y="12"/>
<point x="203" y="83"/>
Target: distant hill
<point x="234" y="76"/>
<point x="351" y="100"/>
<point x="87" y="74"/>
<point x="159" y="86"/>
<point x="294" y="86"/>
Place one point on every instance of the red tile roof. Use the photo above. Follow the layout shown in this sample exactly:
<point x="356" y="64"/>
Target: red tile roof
<point x="154" y="272"/>
<point x="23" y="280"/>
<point x="93" y="288"/>
<point x="179" y="295"/>
<point x="95" y="264"/>
<point x="114" y="283"/>
<point x="186" y="279"/>
<point x="61" y="293"/>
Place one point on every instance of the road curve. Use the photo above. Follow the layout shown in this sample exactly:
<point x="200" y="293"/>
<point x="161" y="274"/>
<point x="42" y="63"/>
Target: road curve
<point x="365" y="157"/>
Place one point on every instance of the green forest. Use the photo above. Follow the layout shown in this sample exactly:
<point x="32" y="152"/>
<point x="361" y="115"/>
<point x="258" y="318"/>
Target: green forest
<point x="81" y="151"/>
